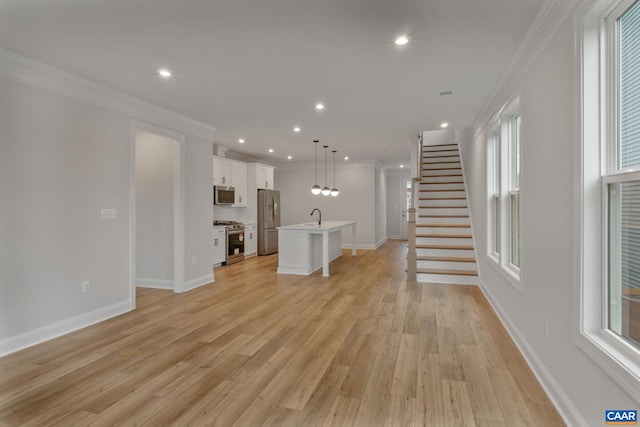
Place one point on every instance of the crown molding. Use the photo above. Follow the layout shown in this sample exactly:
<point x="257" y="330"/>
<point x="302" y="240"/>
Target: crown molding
<point x="551" y="16"/>
<point x="42" y="76"/>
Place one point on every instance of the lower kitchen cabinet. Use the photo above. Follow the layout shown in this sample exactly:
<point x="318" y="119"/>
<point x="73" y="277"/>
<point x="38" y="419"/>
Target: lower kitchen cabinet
<point x="250" y="239"/>
<point x="219" y="245"/>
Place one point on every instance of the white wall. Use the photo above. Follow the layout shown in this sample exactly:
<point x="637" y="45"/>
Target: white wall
<point x="155" y="157"/>
<point x="549" y="105"/>
<point x="357" y="199"/>
<point x="62" y="160"/>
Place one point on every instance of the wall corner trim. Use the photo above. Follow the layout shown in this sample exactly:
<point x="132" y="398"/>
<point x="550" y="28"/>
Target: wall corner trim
<point x="46" y="333"/>
<point x="198" y="281"/>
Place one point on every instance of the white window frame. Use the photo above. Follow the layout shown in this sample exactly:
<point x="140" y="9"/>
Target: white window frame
<point x="595" y="156"/>
<point x="494" y="226"/>
<point x="504" y="172"/>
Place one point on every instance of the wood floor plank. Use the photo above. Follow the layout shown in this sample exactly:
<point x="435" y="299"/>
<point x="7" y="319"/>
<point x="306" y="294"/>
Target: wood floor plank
<point x="360" y="347"/>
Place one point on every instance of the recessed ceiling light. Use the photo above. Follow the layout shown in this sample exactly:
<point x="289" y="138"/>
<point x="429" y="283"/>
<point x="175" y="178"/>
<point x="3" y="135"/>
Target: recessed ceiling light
<point x="164" y="73"/>
<point x="401" y="166"/>
<point x="241" y="141"/>
<point x="296" y="129"/>
<point x="319" y="106"/>
<point x="444" y="125"/>
<point x="289" y="157"/>
<point x="402" y="40"/>
<point x="271" y="150"/>
<point x="346" y="157"/>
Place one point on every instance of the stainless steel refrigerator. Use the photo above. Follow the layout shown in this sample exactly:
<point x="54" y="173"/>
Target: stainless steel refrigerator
<point x="268" y="220"/>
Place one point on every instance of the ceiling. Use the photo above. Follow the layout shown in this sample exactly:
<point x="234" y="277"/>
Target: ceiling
<point x="254" y="69"/>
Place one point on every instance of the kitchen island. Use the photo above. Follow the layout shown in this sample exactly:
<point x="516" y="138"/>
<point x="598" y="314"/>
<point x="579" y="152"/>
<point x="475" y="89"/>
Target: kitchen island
<point x="304" y="248"/>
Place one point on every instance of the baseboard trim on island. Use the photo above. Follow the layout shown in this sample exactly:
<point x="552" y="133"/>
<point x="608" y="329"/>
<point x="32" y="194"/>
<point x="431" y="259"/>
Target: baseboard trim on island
<point x="306" y="271"/>
<point x="365" y="246"/>
<point x="143" y="282"/>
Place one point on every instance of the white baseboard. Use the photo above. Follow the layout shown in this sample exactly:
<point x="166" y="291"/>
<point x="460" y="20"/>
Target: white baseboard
<point x="46" y="333"/>
<point x="394" y="237"/>
<point x="364" y="245"/>
<point x="143" y="282"/>
<point x="563" y="404"/>
<point x="197" y="282"/>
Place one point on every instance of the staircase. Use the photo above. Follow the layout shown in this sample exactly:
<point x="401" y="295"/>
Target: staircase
<point x="444" y="245"/>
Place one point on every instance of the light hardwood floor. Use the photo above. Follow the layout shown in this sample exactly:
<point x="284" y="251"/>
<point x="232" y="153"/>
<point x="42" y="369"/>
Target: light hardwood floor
<point x="360" y="348"/>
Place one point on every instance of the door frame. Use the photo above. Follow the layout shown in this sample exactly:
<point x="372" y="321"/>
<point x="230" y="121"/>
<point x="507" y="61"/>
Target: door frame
<point x="178" y="205"/>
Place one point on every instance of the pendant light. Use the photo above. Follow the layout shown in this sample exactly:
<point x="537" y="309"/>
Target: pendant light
<point x="325" y="190"/>
<point x="316" y="188"/>
<point x="334" y="190"/>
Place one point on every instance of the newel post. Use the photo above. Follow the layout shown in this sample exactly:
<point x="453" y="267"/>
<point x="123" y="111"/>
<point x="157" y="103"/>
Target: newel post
<point x="411" y="255"/>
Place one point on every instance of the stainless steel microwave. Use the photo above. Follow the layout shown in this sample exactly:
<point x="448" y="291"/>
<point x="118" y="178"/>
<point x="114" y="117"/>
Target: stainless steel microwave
<point x="223" y="195"/>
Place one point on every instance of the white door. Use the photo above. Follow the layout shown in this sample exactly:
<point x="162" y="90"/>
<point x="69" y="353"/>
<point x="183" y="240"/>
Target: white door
<point x="406" y="203"/>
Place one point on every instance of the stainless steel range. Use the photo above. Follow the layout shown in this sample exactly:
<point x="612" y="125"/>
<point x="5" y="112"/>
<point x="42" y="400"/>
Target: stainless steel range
<point x="235" y="240"/>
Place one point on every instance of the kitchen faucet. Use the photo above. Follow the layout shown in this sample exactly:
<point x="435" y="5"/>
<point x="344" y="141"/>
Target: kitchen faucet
<point x="319" y="215"/>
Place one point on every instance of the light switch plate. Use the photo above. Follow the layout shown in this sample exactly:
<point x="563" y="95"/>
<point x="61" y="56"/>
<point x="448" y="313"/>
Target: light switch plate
<point x="107" y="214"/>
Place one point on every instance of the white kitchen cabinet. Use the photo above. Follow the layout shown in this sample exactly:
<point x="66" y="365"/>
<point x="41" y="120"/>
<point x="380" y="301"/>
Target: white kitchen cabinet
<point x="264" y="176"/>
<point x="222" y="171"/>
<point x="239" y="182"/>
<point x="250" y="239"/>
<point x="219" y="245"/>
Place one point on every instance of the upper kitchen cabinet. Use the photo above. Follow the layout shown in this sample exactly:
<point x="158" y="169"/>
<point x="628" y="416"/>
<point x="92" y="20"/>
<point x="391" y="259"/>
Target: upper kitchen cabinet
<point x="264" y="176"/>
<point x="239" y="182"/>
<point x="222" y="171"/>
<point x="231" y="173"/>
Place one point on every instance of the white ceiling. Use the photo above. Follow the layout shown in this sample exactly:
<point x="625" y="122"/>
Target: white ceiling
<point x="255" y="68"/>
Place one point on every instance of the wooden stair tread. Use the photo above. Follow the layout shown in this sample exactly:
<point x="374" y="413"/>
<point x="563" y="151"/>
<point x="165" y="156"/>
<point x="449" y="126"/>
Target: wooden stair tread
<point x="442" y="207"/>
<point x="440" y="176"/>
<point x="440" y="150"/>
<point x="445" y="225"/>
<point x="440" y="155"/>
<point x="440" y="162"/>
<point x="434" y="191"/>
<point x="439" y="145"/>
<point x="445" y="236"/>
<point x="443" y="216"/>
<point x="446" y="258"/>
<point x="438" y="182"/>
<point x="448" y="272"/>
<point x="446" y="247"/>
<point x="442" y="198"/>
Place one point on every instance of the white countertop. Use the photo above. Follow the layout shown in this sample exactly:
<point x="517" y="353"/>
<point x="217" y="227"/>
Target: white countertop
<point x="314" y="227"/>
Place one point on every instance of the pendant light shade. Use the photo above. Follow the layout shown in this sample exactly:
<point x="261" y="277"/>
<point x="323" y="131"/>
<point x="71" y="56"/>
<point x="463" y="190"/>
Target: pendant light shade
<point x="334" y="190"/>
<point x="316" y="188"/>
<point x="325" y="190"/>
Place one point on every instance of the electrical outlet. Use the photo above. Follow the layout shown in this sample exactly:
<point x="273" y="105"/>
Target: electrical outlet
<point x="193" y="260"/>
<point x="546" y="328"/>
<point x="86" y="286"/>
<point x="109" y="214"/>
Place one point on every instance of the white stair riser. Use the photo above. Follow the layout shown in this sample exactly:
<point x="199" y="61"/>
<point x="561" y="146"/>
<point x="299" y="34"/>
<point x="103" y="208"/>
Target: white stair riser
<point x="436" y="166"/>
<point x="440" y="152"/>
<point x="443" y="241"/>
<point x="428" y="188"/>
<point x="443" y="230"/>
<point x="440" y="180"/>
<point x="437" y="172"/>
<point x="443" y="211"/>
<point x="447" y="265"/>
<point x="445" y="278"/>
<point x="438" y="203"/>
<point x="441" y="158"/>
<point x="443" y="194"/>
<point x="462" y="253"/>
<point x="464" y="220"/>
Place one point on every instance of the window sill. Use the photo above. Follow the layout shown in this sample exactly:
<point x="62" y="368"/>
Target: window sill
<point x="622" y="366"/>
<point x="508" y="274"/>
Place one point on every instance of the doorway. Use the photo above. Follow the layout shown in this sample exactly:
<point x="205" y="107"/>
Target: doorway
<point x="157" y="209"/>
<point x="406" y="200"/>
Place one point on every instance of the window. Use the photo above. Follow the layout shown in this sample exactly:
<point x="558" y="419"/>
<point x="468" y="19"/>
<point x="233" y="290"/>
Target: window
<point x="494" y="193"/>
<point x="608" y="270"/>
<point x="622" y="182"/>
<point x="503" y="171"/>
